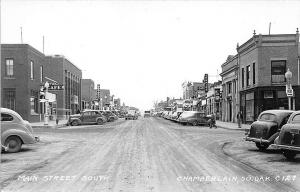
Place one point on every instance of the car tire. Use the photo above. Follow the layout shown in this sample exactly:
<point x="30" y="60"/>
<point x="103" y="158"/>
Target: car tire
<point x="194" y="123"/>
<point x="74" y="123"/>
<point x="290" y="155"/>
<point x="13" y="143"/>
<point x="99" y="121"/>
<point x="261" y="146"/>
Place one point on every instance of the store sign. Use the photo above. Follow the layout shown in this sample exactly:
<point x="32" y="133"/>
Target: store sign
<point x="290" y="92"/>
<point x="56" y="87"/>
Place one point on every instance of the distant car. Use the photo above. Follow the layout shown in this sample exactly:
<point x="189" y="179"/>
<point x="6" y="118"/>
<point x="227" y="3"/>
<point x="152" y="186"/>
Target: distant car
<point x="289" y="137"/>
<point x="15" y="131"/>
<point x="194" y="118"/>
<point x="109" y="115"/>
<point x="147" y="114"/>
<point x="131" y="114"/>
<point x="87" y="117"/>
<point x="265" y="130"/>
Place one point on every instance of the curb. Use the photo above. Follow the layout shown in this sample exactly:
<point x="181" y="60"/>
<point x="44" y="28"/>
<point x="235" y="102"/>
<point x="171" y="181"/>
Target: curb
<point x="234" y="129"/>
<point x="49" y="126"/>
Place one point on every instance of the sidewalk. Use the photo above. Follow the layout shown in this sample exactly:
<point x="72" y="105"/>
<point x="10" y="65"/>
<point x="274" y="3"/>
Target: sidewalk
<point x="232" y="126"/>
<point x="51" y="124"/>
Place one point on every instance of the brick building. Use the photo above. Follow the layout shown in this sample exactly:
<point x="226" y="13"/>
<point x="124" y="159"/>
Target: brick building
<point x="21" y="76"/>
<point x="64" y="72"/>
<point x="191" y="89"/>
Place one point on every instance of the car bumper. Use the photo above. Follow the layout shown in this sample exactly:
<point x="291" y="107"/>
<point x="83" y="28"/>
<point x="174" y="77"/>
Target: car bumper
<point x="286" y="147"/>
<point x="258" y="140"/>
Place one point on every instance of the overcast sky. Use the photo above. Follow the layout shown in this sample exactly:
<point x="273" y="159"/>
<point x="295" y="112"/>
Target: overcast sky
<point x="144" y="50"/>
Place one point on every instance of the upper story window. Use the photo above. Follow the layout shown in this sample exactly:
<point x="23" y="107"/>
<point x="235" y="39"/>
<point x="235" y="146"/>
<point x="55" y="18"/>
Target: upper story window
<point x="278" y="69"/>
<point x="41" y="73"/>
<point x="9" y="67"/>
<point x="248" y="75"/>
<point x="31" y="70"/>
<point x="229" y="88"/>
<point x="243" y="77"/>
<point x="253" y="73"/>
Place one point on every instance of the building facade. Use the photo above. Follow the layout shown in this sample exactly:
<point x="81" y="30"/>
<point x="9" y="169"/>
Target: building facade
<point x="22" y="74"/>
<point x="191" y="89"/>
<point x="230" y="91"/>
<point x="104" y="98"/>
<point x="60" y="70"/>
<point x="87" y="94"/>
<point x="214" y="102"/>
<point x="263" y="61"/>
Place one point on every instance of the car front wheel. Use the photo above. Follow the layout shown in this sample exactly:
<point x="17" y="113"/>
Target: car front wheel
<point x="194" y="123"/>
<point x="99" y="122"/>
<point x="290" y="155"/>
<point x="74" y="123"/>
<point x="262" y="146"/>
<point x="13" y="143"/>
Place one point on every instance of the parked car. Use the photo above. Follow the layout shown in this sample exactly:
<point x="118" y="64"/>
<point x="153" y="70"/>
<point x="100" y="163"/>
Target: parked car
<point x="87" y="117"/>
<point x="289" y="137"/>
<point x="147" y="114"/>
<point x="265" y="130"/>
<point x="193" y="118"/>
<point x="15" y="131"/>
<point x="175" y="115"/>
<point x="109" y="115"/>
<point x="131" y="114"/>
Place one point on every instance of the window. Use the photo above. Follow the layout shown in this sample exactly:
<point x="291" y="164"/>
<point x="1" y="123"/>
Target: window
<point x="229" y="86"/>
<point x="268" y="117"/>
<point x="9" y="99"/>
<point x="248" y="75"/>
<point x="6" y="117"/>
<point x="34" y="102"/>
<point x="278" y="69"/>
<point x="296" y="118"/>
<point x="268" y="94"/>
<point x="9" y="70"/>
<point x="41" y="73"/>
<point x="31" y="70"/>
<point x="243" y="77"/>
<point x="253" y="73"/>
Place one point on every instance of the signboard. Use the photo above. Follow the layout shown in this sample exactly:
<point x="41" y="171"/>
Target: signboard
<point x="98" y="91"/>
<point x="290" y="92"/>
<point x="56" y="87"/>
<point x="206" y="82"/>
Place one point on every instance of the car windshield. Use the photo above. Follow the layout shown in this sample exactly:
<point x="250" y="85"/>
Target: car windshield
<point x="267" y="117"/>
<point x="187" y="114"/>
<point x="296" y="119"/>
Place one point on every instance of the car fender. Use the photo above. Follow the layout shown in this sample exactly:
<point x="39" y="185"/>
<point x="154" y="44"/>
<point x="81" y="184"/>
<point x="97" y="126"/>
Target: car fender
<point x="24" y="136"/>
<point x="75" y="119"/>
<point x="273" y="137"/>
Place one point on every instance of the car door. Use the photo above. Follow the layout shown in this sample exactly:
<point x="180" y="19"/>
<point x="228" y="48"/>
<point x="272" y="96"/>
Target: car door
<point x="86" y="117"/>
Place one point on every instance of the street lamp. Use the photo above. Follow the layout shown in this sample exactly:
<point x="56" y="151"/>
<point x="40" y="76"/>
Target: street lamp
<point x="46" y="103"/>
<point x="289" y="89"/>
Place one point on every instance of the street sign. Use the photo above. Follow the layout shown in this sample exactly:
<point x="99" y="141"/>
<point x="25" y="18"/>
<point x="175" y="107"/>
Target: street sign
<point x="56" y="87"/>
<point x="217" y="95"/>
<point x="289" y="92"/>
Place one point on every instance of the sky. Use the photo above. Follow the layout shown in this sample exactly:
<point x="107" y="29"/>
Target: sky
<point x="144" y="50"/>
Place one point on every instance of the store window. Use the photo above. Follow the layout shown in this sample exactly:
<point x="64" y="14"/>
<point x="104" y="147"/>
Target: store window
<point x="278" y="69"/>
<point x="9" y="98"/>
<point x="34" y="102"/>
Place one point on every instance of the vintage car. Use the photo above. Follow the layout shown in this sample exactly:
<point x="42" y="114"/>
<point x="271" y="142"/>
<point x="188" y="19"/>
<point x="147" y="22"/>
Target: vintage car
<point x="131" y="114"/>
<point x="15" y="131"/>
<point x="147" y="114"/>
<point x="194" y="118"/>
<point x="289" y="137"/>
<point x="87" y="117"/>
<point x="265" y="130"/>
<point x="175" y="115"/>
<point x="109" y="115"/>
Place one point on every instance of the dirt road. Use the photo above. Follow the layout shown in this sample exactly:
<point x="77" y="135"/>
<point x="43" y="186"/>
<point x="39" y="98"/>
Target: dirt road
<point x="149" y="154"/>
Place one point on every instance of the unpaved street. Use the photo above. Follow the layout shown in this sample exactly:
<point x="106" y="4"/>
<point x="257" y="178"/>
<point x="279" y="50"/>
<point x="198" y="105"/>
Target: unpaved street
<point x="149" y="154"/>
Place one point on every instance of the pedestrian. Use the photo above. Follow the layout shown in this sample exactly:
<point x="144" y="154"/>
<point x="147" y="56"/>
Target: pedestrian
<point x="212" y="121"/>
<point x="239" y="117"/>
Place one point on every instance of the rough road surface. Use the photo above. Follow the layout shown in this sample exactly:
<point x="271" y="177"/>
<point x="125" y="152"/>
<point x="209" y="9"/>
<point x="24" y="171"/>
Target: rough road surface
<point x="149" y="154"/>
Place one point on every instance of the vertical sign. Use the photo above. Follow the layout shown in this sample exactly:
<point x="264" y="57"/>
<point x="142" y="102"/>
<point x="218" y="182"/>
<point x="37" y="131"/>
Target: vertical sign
<point x="206" y="82"/>
<point x="98" y="91"/>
